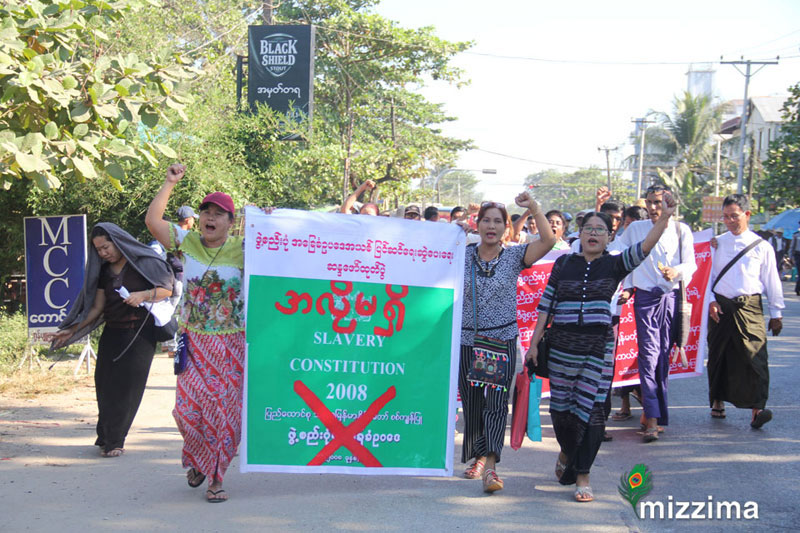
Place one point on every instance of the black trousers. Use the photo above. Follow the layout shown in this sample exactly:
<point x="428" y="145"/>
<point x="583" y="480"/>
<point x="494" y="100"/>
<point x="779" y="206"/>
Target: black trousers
<point x="796" y="258"/>
<point x="120" y="384"/>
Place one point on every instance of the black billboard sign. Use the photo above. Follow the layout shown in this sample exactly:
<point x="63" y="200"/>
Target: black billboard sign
<point x="281" y="69"/>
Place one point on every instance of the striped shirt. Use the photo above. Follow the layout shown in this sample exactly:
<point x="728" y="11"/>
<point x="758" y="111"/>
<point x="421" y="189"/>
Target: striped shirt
<point x="580" y="292"/>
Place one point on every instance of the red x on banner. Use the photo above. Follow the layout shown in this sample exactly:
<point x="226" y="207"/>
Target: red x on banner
<point x="343" y="436"/>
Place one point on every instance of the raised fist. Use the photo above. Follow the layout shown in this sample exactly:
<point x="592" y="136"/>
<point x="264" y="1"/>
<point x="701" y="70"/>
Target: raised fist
<point x="175" y="172"/>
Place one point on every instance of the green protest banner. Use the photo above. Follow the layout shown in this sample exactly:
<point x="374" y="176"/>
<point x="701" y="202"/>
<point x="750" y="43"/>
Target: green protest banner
<point x="348" y="376"/>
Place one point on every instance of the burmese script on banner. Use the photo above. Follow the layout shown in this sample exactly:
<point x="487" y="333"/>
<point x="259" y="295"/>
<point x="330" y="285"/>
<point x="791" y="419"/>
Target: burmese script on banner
<point x="353" y="330"/>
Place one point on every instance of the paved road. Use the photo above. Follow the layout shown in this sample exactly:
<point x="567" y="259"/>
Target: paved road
<point x="51" y="476"/>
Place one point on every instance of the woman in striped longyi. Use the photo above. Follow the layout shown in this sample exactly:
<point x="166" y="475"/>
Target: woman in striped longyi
<point x="581" y="365"/>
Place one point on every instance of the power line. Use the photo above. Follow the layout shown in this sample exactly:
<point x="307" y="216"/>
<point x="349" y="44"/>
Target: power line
<point x="518" y="58"/>
<point x="743" y="123"/>
<point x="768" y="42"/>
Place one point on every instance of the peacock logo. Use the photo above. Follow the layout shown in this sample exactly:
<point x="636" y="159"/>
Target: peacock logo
<point x="635" y="485"/>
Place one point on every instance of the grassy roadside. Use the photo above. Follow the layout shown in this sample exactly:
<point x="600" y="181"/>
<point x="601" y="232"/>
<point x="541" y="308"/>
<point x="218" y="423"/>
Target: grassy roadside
<point x="31" y="379"/>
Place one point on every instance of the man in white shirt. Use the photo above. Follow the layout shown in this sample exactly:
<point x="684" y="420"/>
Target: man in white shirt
<point x="656" y="281"/>
<point x="737" y="339"/>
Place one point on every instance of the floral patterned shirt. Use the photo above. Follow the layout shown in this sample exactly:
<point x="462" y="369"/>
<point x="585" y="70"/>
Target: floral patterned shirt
<point x="212" y="302"/>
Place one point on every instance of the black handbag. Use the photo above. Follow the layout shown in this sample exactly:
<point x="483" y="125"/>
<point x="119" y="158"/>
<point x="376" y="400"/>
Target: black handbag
<point x="167" y="331"/>
<point x="543" y="357"/>
<point x="542" y="368"/>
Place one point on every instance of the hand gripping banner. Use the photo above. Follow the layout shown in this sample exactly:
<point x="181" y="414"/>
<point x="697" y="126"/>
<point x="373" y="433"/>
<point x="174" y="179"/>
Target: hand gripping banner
<point x="353" y="335"/>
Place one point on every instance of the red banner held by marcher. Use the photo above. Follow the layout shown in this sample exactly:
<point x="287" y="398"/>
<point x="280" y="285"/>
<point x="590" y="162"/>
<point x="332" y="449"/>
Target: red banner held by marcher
<point x="531" y="285"/>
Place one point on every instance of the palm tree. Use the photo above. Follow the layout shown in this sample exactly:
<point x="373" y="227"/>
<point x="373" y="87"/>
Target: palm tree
<point x="683" y="144"/>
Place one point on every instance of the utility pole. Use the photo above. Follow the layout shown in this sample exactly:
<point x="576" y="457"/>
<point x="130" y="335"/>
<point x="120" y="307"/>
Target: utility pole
<point x="266" y="11"/>
<point x="745" y="108"/>
<point x="608" y="164"/>
<point x="643" y="122"/>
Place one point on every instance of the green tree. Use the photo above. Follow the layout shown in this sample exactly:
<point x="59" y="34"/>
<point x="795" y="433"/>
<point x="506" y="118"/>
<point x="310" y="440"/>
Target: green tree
<point x="394" y="136"/>
<point x="70" y="109"/>
<point x="366" y="67"/>
<point x="781" y="187"/>
<point x="575" y="191"/>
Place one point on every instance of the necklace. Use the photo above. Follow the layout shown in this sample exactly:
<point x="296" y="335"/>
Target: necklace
<point x="488" y="270"/>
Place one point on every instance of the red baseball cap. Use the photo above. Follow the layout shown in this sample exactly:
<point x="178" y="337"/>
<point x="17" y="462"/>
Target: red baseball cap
<point x="221" y="199"/>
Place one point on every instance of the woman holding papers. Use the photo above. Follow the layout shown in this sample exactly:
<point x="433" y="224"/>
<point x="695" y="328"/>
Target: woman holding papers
<point x="208" y="402"/>
<point x="490" y="311"/>
<point x="121" y="275"/>
<point x="581" y="341"/>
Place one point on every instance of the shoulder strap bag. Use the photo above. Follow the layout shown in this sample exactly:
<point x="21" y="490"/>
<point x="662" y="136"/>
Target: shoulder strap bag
<point x="683" y="312"/>
<point x="542" y="368"/>
<point x="490" y="357"/>
<point x="733" y="261"/>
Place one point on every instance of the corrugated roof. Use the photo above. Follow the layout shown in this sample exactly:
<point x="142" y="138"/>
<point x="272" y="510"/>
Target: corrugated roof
<point x="730" y="126"/>
<point x="769" y="107"/>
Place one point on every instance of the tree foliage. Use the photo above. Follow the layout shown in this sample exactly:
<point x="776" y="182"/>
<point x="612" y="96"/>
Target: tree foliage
<point x="683" y="146"/>
<point x="366" y="70"/>
<point x="782" y="183"/>
<point x="575" y="191"/>
<point x="369" y="121"/>
<point x="68" y="105"/>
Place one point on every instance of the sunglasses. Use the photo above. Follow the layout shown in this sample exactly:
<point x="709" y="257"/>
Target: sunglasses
<point x="493" y="204"/>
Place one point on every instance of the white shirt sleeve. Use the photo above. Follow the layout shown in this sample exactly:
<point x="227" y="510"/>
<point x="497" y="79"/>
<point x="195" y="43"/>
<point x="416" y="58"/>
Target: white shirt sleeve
<point x="772" y="284"/>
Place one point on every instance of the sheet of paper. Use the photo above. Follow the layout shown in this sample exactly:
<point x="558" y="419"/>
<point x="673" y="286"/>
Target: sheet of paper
<point x="162" y="311"/>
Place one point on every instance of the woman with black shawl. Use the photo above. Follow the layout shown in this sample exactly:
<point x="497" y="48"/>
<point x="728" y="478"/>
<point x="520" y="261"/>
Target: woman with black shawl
<point x="128" y="343"/>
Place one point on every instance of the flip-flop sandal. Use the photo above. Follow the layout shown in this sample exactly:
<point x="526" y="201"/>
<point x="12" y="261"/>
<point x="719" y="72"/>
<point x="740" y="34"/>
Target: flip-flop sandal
<point x="560" y="469"/>
<point x="761" y="418"/>
<point x="718" y="413"/>
<point x="195" y="478"/>
<point x="116" y="452"/>
<point x="215" y="496"/>
<point x="475" y="470"/>
<point x="491" y="482"/>
<point x="650" y="435"/>
<point x="584" y="494"/>
<point x="620" y="416"/>
<point x="643" y="427"/>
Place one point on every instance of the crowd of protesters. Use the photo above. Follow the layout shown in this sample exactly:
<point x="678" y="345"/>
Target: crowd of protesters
<point x="614" y="253"/>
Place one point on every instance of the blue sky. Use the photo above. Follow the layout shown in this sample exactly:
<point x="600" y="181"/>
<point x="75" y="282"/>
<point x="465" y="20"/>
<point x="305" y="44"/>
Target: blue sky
<point x="584" y="96"/>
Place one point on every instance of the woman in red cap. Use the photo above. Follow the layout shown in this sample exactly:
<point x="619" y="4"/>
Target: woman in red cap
<point x="208" y="402"/>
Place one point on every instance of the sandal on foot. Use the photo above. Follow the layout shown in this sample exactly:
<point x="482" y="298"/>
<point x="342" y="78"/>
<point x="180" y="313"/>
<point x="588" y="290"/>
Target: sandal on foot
<point x="621" y="416"/>
<point x="718" y="413"/>
<point x="491" y="483"/>
<point x="650" y="435"/>
<point x="607" y="437"/>
<point x="761" y="418"/>
<point x="116" y="452"/>
<point x="216" y="496"/>
<point x="584" y="494"/>
<point x="560" y="469"/>
<point x="475" y="470"/>
<point x="195" y="478"/>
